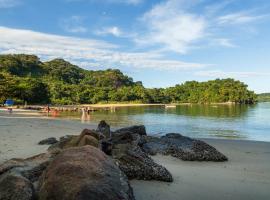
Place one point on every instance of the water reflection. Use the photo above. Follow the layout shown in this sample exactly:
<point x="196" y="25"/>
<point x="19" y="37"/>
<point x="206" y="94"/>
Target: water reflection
<point x="212" y="121"/>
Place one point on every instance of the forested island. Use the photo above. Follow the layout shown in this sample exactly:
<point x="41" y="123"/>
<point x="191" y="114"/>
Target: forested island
<point x="25" y="79"/>
<point x="264" y="97"/>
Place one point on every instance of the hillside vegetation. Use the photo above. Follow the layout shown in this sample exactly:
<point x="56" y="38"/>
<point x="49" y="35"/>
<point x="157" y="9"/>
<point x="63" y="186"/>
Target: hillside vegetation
<point x="264" y="97"/>
<point x="25" y="78"/>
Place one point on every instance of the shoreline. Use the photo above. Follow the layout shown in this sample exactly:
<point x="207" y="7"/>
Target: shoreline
<point x="108" y="105"/>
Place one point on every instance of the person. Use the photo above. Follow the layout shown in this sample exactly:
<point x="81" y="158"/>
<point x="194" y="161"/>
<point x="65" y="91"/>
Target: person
<point x="48" y="109"/>
<point x="10" y="110"/>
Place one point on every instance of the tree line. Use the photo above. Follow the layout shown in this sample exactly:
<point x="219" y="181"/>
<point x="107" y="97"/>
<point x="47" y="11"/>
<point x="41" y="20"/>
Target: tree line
<point x="25" y="79"/>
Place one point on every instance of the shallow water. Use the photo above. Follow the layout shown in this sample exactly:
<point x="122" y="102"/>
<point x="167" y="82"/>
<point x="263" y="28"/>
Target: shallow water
<point x="246" y="122"/>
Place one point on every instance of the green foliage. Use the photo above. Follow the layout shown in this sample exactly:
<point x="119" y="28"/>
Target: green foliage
<point x="264" y="97"/>
<point x="25" y="78"/>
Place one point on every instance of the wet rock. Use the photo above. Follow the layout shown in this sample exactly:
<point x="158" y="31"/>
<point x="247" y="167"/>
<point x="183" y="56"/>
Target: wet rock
<point x="48" y="141"/>
<point x="181" y="147"/>
<point x="133" y="161"/>
<point x="84" y="173"/>
<point x="140" y="130"/>
<point x="104" y="128"/>
<point x="16" y="187"/>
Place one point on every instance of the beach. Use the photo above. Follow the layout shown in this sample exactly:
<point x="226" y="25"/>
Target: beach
<point x="245" y="176"/>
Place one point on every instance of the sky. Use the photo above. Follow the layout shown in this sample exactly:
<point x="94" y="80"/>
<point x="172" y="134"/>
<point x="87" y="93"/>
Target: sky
<point x="158" y="42"/>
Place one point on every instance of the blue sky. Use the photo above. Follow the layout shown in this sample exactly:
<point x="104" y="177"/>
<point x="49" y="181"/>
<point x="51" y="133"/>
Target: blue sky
<point x="160" y="42"/>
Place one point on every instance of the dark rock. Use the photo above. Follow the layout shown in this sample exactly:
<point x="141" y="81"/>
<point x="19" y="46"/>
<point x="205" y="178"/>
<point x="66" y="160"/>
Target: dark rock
<point x="84" y="173"/>
<point x="104" y="128"/>
<point x="25" y="170"/>
<point x="140" y="130"/>
<point x="106" y="147"/>
<point x="15" y="187"/>
<point x="50" y="140"/>
<point x="181" y="147"/>
<point x="133" y="161"/>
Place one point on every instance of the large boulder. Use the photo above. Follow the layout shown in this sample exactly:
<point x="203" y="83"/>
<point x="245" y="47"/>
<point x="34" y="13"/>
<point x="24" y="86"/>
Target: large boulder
<point x="139" y="129"/>
<point x="182" y="147"/>
<point x="19" y="177"/>
<point x="83" y="173"/>
<point x="16" y="187"/>
<point x="133" y="161"/>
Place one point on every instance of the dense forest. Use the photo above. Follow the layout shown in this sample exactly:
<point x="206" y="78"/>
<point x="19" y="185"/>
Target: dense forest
<point x="264" y="97"/>
<point x="26" y="79"/>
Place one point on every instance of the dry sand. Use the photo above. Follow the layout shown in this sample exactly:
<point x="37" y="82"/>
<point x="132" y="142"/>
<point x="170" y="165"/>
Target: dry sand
<point x="245" y="176"/>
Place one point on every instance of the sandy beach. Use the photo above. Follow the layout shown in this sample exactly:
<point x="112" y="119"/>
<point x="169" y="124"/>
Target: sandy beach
<point x="245" y="176"/>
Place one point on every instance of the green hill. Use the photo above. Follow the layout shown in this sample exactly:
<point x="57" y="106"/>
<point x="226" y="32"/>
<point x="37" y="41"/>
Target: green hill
<point x="264" y="97"/>
<point x="26" y="79"/>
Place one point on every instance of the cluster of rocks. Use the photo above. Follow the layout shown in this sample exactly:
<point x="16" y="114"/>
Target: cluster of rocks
<point x="97" y="164"/>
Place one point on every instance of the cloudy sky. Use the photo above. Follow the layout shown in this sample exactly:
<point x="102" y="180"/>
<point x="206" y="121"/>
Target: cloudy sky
<point x="161" y="42"/>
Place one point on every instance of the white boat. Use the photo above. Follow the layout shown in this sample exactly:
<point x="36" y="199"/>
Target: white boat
<point x="170" y="106"/>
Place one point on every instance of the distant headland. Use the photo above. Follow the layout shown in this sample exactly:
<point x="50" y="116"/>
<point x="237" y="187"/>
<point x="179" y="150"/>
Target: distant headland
<point x="25" y="79"/>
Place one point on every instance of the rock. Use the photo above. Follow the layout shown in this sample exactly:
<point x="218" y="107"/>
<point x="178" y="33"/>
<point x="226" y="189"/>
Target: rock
<point x="104" y="128"/>
<point x="93" y="133"/>
<point x="181" y="147"/>
<point x="140" y="130"/>
<point x="84" y="173"/>
<point x="138" y="165"/>
<point x="88" y="140"/>
<point x="50" y="140"/>
<point x="106" y="147"/>
<point x="87" y="137"/>
<point x="15" y="187"/>
<point x="133" y="161"/>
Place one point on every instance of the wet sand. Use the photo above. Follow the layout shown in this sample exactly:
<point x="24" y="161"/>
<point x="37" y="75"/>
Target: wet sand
<point x="245" y="176"/>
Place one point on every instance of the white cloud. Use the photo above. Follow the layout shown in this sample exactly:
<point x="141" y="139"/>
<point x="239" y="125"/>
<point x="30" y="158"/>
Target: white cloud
<point x="222" y="74"/>
<point x="8" y="3"/>
<point x="238" y="18"/>
<point x="114" y="30"/>
<point x="168" y="25"/>
<point x="73" y="24"/>
<point x="225" y="42"/>
<point x="85" y="51"/>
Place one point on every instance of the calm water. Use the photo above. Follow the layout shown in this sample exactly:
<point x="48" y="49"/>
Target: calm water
<point x="247" y="122"/>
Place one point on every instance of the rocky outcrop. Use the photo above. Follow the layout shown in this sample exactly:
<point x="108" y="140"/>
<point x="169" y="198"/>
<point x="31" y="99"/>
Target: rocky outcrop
<point x="16" y="187"/>
<point x="19" y="177"/>
<point x="74" y="167"/>
<point x="181" y="147"/>
<point x="84" y="173"/>
<point x="133" y="161"/>
<point x="48" y="141"/>
<point x="140" y="130"/>
<point x="87" y="137"/>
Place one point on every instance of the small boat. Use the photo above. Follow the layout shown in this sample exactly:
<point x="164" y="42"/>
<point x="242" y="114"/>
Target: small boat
<point x="170" y="106"/>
